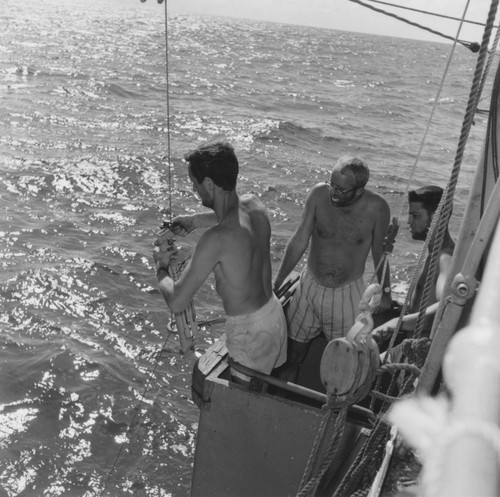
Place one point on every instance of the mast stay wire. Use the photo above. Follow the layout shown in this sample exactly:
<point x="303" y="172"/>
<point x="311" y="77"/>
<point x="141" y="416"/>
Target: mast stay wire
<point x="429" y="121"/>
<point x="421" y="259"/>
<point x="152" y="373"/>
<point x="449" y="191"/>
<point x="489" y="61"/>
<point x="445" y="205"/>
<point x="167" y="82"/>
<point x="436" y="14"/>
<point x="473" y="46"/>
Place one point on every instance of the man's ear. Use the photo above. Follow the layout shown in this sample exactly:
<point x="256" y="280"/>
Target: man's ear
<point x="208" y="184"/>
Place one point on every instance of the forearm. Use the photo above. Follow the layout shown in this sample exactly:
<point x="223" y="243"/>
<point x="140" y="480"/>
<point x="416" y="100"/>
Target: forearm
<point x="204" y="219"/>
<point x="293" y="253"/>
<point x="165" y="285"/>
<point x="410" y="320"/>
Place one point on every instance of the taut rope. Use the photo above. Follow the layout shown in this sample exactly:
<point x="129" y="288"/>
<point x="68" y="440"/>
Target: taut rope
<point x="445" y="205"/>
<point x="435" y="14"/>
<point x="470" y="45"/>
<point x="153" y="372"/>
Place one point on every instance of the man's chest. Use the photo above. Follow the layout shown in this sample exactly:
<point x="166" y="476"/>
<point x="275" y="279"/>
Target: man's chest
<point x="346" y="229"/>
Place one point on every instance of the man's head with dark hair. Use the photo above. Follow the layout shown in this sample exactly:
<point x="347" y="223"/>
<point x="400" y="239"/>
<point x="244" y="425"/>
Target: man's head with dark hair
<point x="215" y="160"/>
<point x="428" y="196"/>
<point x="422" y="206"/>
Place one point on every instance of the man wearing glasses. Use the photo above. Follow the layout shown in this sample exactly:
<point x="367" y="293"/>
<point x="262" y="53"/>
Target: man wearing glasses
<point x="341" y="223"/>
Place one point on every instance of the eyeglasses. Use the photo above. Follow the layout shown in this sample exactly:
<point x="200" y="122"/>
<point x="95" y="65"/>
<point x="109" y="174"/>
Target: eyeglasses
<point x="337" y="189"/>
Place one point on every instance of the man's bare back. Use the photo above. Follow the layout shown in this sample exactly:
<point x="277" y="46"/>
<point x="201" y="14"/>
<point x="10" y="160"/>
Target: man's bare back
<point x="243" y="271"/>
<point x="236" y="248"/>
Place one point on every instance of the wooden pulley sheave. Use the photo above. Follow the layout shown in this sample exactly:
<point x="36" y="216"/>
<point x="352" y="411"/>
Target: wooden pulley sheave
<point x="349" y="364"/>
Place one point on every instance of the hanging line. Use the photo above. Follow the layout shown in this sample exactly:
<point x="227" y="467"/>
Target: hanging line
<point x="435" y="14"/>
<point x="434" y="107"/>
<point x="167" y="82"/>
<point x="152" y="374"/>
<point x="437" y="246"/>
<point x="445" y="205"/>
<point x="402" y="206"/>
<point x="474" y="47"/>
<point x="490" y="60"/>
<point x="421" y="258"/>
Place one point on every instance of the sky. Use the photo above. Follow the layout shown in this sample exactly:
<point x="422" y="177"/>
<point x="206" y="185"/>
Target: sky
<point x="346" y="15"/>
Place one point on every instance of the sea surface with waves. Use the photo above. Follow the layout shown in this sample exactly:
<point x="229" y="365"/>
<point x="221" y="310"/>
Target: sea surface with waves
<point x="94" y="397"/>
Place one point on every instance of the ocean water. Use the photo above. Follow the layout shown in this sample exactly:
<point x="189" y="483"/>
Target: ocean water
<point x="94" y="396"/>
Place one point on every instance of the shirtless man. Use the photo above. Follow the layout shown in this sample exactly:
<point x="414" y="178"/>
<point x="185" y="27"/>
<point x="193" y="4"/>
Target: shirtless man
<point x="236" y="247"/>
<point x="422" y="206"/>
<point x="342" y="222"/>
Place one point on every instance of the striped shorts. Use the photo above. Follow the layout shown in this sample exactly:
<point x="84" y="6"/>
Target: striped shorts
<point x="315" y="308"/>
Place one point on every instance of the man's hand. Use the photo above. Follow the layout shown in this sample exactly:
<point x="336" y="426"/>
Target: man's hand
<point x="381" y="333"/>
<point x="164" y="250"/>
<point x="182" y="225"/>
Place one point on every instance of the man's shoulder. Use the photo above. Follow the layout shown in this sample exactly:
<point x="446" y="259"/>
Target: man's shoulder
<point x="250" y="201"/>
<point x="374" y="203"/>
<point x="248" y="197"/>
<point x="375" y="198"/>
<point x="213" y="235"/>
<point x="319" y="192"/>
<point x="321" y="186"/>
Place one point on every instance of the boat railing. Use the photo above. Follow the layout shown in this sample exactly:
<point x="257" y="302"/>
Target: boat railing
<point x="354" y="411"/>
<point x="276" y="382"/>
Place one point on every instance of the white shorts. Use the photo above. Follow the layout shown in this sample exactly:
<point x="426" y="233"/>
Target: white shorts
<point x="258" y="340"/>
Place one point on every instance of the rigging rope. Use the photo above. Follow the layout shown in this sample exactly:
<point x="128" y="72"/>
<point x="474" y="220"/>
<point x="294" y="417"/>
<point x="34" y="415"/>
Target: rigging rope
<point x="136" y="413"/>
<point x="421" y="258"/>
<point x="363" y="469"/>
<point x="420" y="261"/>
<point x="444" y="209"/>
<point x="492" y="133"/>
<point x="436" y="14"/>
<point x="333" y="422"/>
<point x="443" y="212"/>
<point x="167" y="82"/>
<point x="156" y="363"/>
<point x="470" y="45"/>
<point x="492" y="122"/>
<point x="436" y="100"/>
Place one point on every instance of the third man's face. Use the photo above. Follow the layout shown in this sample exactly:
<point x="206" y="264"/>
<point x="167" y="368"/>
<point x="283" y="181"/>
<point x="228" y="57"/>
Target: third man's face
<point x="419" y="220"/>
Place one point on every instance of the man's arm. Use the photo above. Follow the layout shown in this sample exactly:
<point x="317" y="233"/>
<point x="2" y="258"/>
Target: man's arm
<point x="184" y="224"/>
<point x="178" y="294"/>
<point x="299" y="241"/>
<point x="379" y="234"/>
<point x="444" y="269"/>
<point x="385" y="330"/>
<point x="410" y="320"/>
